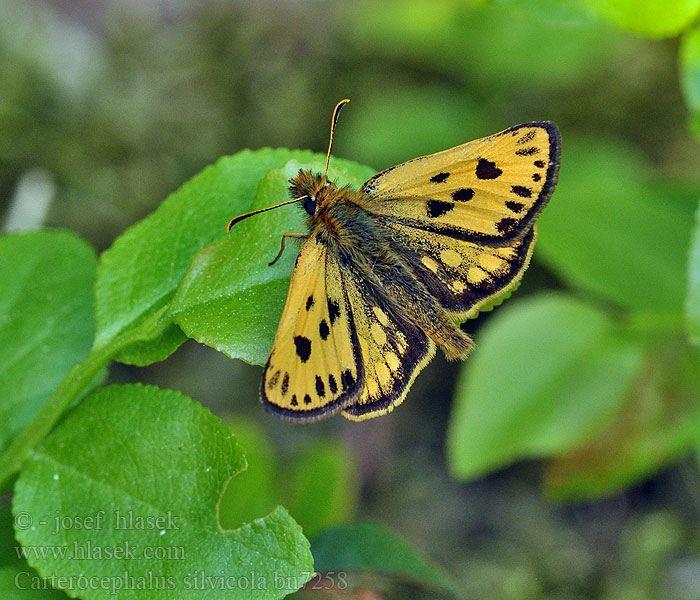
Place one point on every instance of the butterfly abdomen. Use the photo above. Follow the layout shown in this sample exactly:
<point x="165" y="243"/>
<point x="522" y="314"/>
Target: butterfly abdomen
<point x="425" y="312"/>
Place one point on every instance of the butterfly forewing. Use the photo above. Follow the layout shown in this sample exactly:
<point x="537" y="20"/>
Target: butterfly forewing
<point x="393" y="349"/>
<point x="486" y="191"/>
<point x="461" y="275"/>
<point x="315" y="365"/>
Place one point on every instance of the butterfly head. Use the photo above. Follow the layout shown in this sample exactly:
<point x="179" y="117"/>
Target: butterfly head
<point x="312" y="190"/>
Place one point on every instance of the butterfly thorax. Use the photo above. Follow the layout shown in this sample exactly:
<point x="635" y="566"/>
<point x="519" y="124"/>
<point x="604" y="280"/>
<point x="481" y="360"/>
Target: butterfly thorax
<point x="336" y="214"/>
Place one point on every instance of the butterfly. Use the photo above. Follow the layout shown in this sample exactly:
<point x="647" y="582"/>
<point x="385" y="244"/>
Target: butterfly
<point x="385" y="271"/>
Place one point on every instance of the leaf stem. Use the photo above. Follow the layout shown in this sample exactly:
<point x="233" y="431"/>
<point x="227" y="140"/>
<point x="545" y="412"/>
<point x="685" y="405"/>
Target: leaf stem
<point x="77" y="380"/>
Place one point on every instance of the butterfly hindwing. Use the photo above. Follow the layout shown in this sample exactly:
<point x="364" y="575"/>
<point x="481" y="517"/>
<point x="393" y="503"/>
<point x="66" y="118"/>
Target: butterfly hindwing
<point x="461" y="275"/>
<point x="488" y="191"/>
<point x="315" y="365"/>
<point x="394" y="350"/>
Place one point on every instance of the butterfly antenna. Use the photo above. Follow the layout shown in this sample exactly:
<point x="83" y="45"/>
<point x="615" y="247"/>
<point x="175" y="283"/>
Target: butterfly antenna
<point x="334" y="120"/>
<point x="239" y="218"/>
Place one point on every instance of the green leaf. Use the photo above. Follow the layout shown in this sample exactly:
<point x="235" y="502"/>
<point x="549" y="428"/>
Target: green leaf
<point x="689" y="61"/>
<point x="16" y="576"/>
<point x="651" y="18"/>
<point x="254" y="491"/>
<point x="371" y="549"/>
<point x="318" y="488"/>
<point x="660" y="422"/>
<point x="46" y="320"/>
<point x="145" y="353"/>
<point x="607" y="231"/>
<point x="692" y="302"/>
<point x="547" y="373"/>
<point x="138" y="275"/>
<point x="145" y="487"/>
<point x="230" y="299"/>
<point x="323" y="489"/>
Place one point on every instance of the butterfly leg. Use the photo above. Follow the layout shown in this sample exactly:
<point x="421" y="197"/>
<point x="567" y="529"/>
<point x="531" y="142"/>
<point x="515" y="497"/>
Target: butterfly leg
<point x="302" y="235"/>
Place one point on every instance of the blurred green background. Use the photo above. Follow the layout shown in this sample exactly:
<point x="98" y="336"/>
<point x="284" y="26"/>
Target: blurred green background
<point x="580" y="483"/>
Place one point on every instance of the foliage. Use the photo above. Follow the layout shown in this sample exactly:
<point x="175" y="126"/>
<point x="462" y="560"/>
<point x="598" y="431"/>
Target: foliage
<point x="318" y="485"/>
<point x="150" y="427"/>
<point x="130" y="484"/>
<point x="47" y="320"/>
<point x="568" y="373"/>
<point x="371" y="550"/>
<point x="170" y="443"/>
<point x="591" y="367"/>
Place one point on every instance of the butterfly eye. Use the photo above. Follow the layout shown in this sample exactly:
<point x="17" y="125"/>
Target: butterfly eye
<point x="310" y="204"/>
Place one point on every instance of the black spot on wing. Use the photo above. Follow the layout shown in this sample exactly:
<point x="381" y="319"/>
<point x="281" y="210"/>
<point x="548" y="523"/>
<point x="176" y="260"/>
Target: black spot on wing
<point x="522" y="191"/>
<point x="536" y="177"/>
<point x="285" y="384"/>
<point x="506" y="225"/>
<point x="272" y="382"/>
<point x="309" y="303"/>
<point x="320" y="388"/>
<point x="463" y="194"/>
<point x="516" y="207"/>
<point x="539" y="164"/>
<point x="526" y="137"/>
<point x="437" y="208"/>
<point x="333" y="310"/>
<point x="439" y="178"/>
<point x="347" y="380"/>
<point x="323" y="329"/>
<point x="528" y="151"/>
<point x="303" y="346"/>
<point x="307" y="399"/>
<point x="332" y="385"/>
<point x="294" y="400"/>
<point x="485" y="169"/>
